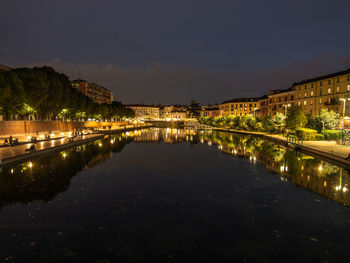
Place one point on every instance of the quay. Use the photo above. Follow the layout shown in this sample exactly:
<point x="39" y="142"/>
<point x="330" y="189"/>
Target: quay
<point x="17" y="153"/>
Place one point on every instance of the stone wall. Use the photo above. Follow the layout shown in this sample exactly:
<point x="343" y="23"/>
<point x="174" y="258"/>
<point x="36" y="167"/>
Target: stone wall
<point x="29" y="127"/>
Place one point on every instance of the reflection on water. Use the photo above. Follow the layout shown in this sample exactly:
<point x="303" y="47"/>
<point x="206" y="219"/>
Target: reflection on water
<point x="45" y="177"/>
<point x="174" y="195"/>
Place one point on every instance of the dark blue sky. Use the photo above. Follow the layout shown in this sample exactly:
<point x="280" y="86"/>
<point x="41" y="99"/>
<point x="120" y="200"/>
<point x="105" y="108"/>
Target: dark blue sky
<point x="171" y="51"/>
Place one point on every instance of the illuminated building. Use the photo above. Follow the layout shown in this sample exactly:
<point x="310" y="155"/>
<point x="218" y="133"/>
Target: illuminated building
<point x="94" y="91"/>
<point x="240" y="107"/>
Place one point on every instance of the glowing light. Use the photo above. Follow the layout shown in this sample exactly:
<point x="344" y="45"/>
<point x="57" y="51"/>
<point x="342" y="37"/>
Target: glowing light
<point x="62" y="133"/>
<point x="320" y="168"/>
<point x="42" y="136"/>
<point x="28" y="138"/>
<point x="64" y="155"/>
<point x="30" y="164"/>
<point x="127" y="133"/>
<point x="52" y="135"/>
<point x="282" y="168"/>
<point x="235" y="151"/>
<point x="12" y="171"/>
<point x="209" y="143"/>
<point x="345" y="189"/>
<point x="100" y="144"/>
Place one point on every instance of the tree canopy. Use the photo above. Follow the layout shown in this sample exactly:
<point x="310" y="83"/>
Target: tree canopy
<point x="50" y="95"/>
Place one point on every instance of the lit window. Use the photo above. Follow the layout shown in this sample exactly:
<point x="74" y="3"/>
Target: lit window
<point x="311" y="102"/>
<point x="338" y="88"/>
<point x="329" y="90"/>
<point x="320" y="101"/>
<point x="305" y="102"/>
<point x="312" y="93"/>
<point x="305" y="94"/>
<point x="348" y="87"/>
<point x="298" y="103"/>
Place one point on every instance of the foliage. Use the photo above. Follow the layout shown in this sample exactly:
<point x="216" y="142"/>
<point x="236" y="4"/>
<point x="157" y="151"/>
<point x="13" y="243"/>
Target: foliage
<point x="306" y="134"/>
<point x="319" y="137"/>
<point x="296" y="118"/>
<point x="49" y="95"/>
<point x="332" y="134"/>
<point x="329" y="118"/>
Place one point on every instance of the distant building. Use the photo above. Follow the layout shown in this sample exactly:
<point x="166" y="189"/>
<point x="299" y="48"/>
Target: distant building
<point x="145" y="112"/>
<point x="240" y="107"/>
<point x="210" y="111"/>
<point x="174" y="112"/>
<point x="94" y="91"/>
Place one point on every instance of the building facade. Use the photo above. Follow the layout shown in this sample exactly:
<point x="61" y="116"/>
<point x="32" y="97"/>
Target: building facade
<point x="210" y="111"/>
<point x="146" y="112"/>
<point x="94" y="91"/>
<point x="279" y="101"/>
<point x="325" y="92"/>
<point x="240" y="107"/>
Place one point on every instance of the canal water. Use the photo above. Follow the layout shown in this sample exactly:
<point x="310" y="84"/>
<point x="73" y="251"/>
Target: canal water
<point x="171" y="195"/>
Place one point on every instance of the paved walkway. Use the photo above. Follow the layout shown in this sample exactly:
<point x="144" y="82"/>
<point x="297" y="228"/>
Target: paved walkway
<point x="12" y="151"/>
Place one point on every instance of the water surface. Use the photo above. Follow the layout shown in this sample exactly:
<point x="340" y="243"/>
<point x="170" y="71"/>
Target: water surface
<point x="174" y="195"/>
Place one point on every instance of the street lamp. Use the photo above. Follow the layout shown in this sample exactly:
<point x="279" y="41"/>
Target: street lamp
<point x="342" y="122"/>
<point x="285" y="109"/>
<point x="255" y="108"/>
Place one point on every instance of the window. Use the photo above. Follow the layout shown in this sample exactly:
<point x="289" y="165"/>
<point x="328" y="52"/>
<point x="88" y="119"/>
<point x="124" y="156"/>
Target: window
<point x="312" y="93"/>
<point x="312" y="85"/>
<point x="305" y="87"/>
<point x="329" y="82"/>
<point x="311" y="102"/>
<point x="320" y="83"/>
<point x="329" y="90"/>
<point x="337" y="80"/>
<point x="279" y="99"/>
<point x="320" y="92"/>
<point x="291" y="97"/>
<point x="348" y="77"/>
<point x="250" y="105"/>
<point x="299" y="95"/>
<point x="338" y="88"/>
<point x="320" y="101"/>
<point x="285" y="98"/>
<point x="298" y="103"/>
<point x="348" y="87"/>
<point x="305" y="102"/>
<point x="279" y="105"/>
<point x="305" y="94"/>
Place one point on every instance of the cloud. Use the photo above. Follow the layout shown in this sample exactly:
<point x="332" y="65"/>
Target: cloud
<point x="169" y="84"/>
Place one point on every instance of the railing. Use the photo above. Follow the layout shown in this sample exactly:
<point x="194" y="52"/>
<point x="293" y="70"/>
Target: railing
<point x="294" y="140"/>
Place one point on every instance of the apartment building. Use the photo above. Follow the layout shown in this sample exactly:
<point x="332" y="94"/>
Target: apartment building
<point x="210" y="111"/>
<point x="94" y="91"/>
<point x="240" y="107"/>
<point x="146" y="112"/>
<point x="280" y="101"/>
<point x="324" y="92"/>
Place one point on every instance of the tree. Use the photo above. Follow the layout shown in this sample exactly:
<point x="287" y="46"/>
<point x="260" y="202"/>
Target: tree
<point x="296" y="118"/>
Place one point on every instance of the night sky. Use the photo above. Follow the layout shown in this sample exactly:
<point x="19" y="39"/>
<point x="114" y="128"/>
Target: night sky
<point x="162" y="51"/>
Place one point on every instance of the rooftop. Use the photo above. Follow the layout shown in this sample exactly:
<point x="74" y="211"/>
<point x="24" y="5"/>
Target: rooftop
<point x="333" y="75"/>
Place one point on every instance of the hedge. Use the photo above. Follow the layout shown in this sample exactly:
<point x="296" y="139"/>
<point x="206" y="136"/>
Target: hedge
<point x="332" y="134"/>
<point x="306" y="134"/>
<point x="319" y="137"/>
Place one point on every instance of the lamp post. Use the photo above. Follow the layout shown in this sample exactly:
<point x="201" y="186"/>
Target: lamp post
<point x="342" y="122"/>
<point x="285" y="109"/>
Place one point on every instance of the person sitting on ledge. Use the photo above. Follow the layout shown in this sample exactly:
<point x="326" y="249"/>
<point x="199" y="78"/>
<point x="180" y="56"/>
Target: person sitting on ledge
<point x="31" y="148"/>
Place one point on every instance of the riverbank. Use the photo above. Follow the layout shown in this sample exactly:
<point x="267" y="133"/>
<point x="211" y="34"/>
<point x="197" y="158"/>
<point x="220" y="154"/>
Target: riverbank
<point x="328" y="150"/>
<point x="14" y="154"/>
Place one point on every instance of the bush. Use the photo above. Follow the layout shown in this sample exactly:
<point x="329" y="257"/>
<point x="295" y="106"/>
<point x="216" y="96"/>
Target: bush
<point x="319" y="137"/>
<point x="306" y="134"/>
<point x="332" y="134"/>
